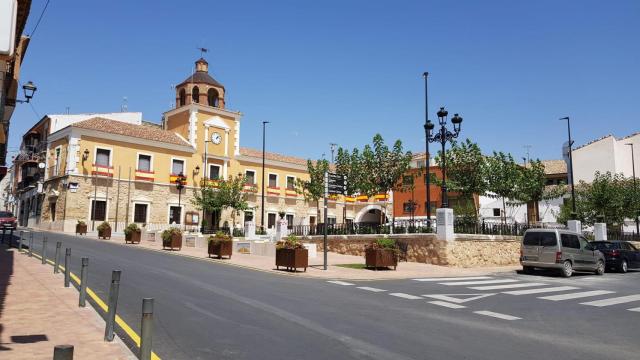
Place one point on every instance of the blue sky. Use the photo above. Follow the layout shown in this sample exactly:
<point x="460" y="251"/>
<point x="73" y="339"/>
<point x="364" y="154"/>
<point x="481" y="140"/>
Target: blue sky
<point x="340" y="71"/>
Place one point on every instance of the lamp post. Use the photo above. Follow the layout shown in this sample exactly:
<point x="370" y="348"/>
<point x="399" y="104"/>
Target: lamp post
<point x="264" y="126"/>
<point x="635" y="186"/>
<point x="428" y="126"/>
<point x="204" y="180"/>
<point x="29" y="89"/>
<point x="443" y="136"/>
<point x="573" y="192"/>
<point x="180" y="181"/>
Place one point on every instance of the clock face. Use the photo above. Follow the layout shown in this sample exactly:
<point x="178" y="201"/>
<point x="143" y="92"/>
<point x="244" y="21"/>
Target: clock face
<point x="216" y="138"/>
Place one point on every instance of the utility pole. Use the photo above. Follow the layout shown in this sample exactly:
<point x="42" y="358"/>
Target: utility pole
<point x="635" y="187"/>
<point x="333" y="149"/>
<point x="573" y="192"/>
<point x="264" y="123"/>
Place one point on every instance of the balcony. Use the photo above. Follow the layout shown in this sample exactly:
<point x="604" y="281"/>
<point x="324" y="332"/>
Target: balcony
<point x="250" y="187"/>
<point x="174" y="177"/>
<point x="290" y="192"/>
<point x="102" y="170"/>
<point x="213" y="183"/>
<point x="145" y="175"/>
<point x="273" y="190"/>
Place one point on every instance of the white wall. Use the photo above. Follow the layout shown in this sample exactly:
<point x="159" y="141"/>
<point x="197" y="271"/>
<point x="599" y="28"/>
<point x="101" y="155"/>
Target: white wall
<point x="548" y="209"/>
<point x="608" y="154"/>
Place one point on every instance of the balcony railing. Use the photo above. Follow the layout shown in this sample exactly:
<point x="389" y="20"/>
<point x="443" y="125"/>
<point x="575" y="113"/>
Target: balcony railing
<point x="102" y="170"/>
<point x="145" y="175"/>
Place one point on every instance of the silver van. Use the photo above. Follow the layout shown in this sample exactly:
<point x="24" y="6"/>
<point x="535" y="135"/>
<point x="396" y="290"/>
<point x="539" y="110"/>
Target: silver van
<point x="560" y="249"/>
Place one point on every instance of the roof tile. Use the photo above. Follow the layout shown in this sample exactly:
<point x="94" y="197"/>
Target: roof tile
<point x="138" y="131"/>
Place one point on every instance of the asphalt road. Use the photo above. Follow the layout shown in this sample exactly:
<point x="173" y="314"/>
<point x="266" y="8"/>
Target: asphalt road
<point x="205" y="310"/>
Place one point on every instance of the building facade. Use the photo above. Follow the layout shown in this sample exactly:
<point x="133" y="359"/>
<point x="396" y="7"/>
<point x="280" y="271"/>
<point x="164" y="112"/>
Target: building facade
<point x="606" y="154"/>
<point x="124" y="170"/>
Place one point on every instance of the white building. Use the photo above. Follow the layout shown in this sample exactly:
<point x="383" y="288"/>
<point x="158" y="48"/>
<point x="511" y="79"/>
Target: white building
<point x="606" y="154"/>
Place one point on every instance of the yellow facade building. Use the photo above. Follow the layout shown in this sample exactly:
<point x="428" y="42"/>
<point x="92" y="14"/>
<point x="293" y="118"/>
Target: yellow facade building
<point x="124" y="170"/>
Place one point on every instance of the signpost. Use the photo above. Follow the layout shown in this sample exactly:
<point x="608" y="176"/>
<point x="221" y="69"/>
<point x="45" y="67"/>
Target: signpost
<point x="334" y="184"/>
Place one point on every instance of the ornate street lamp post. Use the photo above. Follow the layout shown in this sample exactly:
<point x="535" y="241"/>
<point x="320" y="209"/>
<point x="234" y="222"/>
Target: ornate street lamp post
<point x="573" y="192"/>
<point x="635" y="186"/>
<point x="443" y="136"/>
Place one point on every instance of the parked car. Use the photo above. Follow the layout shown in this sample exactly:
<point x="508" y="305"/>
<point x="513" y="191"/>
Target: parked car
<point x="564" y="250"/>
<point x="7" y="220"/>
<point x="619" y="255"/>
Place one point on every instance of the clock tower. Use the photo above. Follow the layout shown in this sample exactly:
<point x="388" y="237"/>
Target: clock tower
<point x="200" y="88"/>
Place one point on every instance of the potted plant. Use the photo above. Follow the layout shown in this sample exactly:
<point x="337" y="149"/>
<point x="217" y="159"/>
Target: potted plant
<point x="382" y="253"/>
<point x="104" y="230"/>
<point x="81" y="227"/>
<point x="220" y="245"/>
<point x="132" y="234"/>
<point x="291" y="254"/>
<point x="172" y="238"/>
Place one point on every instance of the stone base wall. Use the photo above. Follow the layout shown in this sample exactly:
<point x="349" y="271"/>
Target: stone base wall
<point x="465" y="251"/>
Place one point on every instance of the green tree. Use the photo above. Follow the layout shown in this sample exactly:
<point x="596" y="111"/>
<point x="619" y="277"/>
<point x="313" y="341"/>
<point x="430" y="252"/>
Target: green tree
<point x="531" y="186"/>
<point x="313" y="189"/>
<point x="466" y="171"/>
<point x="503" y="175"/>
<point x="383" y="167"/>
<point x="229" y="194"/>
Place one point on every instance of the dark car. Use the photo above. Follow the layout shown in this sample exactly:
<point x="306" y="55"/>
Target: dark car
<point x="7" y="220"/>
<point x="619" y="255"/>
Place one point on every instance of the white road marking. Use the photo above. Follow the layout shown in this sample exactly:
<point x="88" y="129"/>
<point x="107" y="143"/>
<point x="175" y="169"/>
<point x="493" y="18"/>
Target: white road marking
<point x="371" y="289"/>
<point x="406" y="296"/>
<point x="613" y="301"/>
<point x="455" y="278"/>
<point x="509" y="286"/>
<point x="458" y="300"/>
<point x="497" y="315"/>
<point x="635" y="309"/>
<point x="337" y="282"/>
<point x="481" y="282"/>
<point x="539" y="291"/>
<point x="447" y="304"/>
<point x="576" y="295"/>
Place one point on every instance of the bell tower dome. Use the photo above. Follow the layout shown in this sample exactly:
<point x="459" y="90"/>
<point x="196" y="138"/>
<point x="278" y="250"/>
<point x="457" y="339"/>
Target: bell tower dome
<point x="200" y="88"/>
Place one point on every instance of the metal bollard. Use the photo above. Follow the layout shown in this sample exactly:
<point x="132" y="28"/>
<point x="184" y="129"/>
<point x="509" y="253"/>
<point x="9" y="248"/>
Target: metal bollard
<point x="146" y="329"/>
<point x="10" y="237"/>
<point x="83" y="282"/>
<point x="31" y="245"/>
<point x="56" y="261"/>
<point x="113" y="303"/>
<point x="44" y="250"/>
<point x="63" y="352"/>
<point x="67" y="267"/>
<point x="20" y="241"/>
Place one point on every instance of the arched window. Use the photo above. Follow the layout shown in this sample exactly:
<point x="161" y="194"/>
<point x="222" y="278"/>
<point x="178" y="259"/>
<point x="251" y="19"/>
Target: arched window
<point x="212" y="97"/>
<point x="183" y="97"/>
<point x="195" y="94"/>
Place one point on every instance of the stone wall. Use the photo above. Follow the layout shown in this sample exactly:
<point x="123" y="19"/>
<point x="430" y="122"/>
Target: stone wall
<point x="465" y="251"/>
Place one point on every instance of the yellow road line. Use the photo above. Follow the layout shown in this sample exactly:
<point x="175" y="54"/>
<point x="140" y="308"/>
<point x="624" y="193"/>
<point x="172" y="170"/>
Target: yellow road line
<point x="127" y="329"/>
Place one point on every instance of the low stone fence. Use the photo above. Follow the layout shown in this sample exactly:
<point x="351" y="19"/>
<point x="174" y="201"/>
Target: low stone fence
<point x="465" y="251"/>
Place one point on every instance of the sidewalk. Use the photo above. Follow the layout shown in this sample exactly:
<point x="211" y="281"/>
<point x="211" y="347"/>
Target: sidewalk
<point x="406" y="270"/>
<point x="37" y="312"/>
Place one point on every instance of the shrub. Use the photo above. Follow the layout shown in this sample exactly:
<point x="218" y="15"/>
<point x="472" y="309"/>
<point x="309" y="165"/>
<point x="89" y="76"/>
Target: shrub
<point x="291" y="242"/>
<point x="131" y="228"/>
<point x="167" y="234"/>
<point x="220" y="237"/>
<point x="104" y="226"/>
<point x="81" y="222"/>
<point x="384" y="243"/>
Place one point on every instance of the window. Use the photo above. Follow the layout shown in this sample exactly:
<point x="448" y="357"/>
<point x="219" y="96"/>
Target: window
<point x="273" y="180"/>
<point x="312" y="220"/>
<point x="331" y="220"/>
<point x="102" y="157"/>
<point x="540" y="239"/>
<point x="271" y="220"/>
<point x="52" y="210"/>
<point x="177" y="166"/>
<point x="407" y="180"/>
<point x="291" y="183"/>
<point x="250" y="177"/>
<point x="407" y="207"/>
<point x="496" y="211"/>
<point x="289" y="218"/>
<point x="570" y="241"/>
<point x="212" y="97"/>
<point x="98" y="210"/>
<point x="214" y="172"/>
<point x="531" y="239"/>
<point x="548" y="239"/>
<point x="195" y="94"/>
<point x="183" y="97"/>
<point x="56" y="169"/>
<point x="584" y="244"/>
<point x="144" y="162"/>
<point x="248" y="216"/>
<point x="174" y="214"/>
<point x="140" y="213"/>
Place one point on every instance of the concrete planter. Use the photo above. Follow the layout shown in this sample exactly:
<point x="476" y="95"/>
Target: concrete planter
<point x="292" y="259"/>
<point x="376" y="258"/>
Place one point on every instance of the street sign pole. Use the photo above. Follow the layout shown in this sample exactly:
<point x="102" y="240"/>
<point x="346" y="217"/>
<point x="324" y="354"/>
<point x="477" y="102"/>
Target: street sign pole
<point x="326" y="195"/>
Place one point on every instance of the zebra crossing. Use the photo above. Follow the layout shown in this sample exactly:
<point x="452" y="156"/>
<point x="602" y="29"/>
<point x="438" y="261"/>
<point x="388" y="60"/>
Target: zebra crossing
<point x="543" y="289"/>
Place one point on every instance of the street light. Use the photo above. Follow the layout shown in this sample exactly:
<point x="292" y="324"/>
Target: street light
<point x="635" y="187"/>
<point x="29" y="89"/>
<point x="428" y="126"/>
<point x="264" y="125"/>
<point x="573" y="193"/>
<point x="443" y="136"/>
